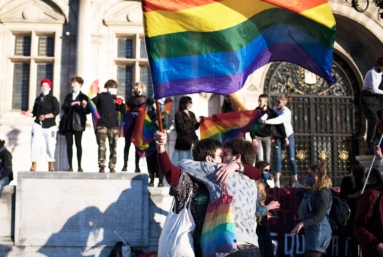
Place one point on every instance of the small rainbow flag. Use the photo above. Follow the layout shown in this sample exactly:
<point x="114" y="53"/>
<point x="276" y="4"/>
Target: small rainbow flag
<point x="143" y="134"/>
<point x="93" y="91"/>
<point x="214" y="45"/>
<point x="226" y="126"/>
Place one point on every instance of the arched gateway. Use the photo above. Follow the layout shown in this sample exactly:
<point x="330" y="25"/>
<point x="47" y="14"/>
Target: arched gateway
<point x="325" y="118"/>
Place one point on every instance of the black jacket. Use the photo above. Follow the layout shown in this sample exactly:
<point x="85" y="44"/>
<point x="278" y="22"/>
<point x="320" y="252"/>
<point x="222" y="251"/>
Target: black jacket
<point x="135" y="102"/>
<point x="185" y="127"/>
<point x="6" y="164"/>
<point x="45" y="104"/>
<point x="107" y="109"/>
<point x="266" y="131"/>
<point x="74" y="117"/>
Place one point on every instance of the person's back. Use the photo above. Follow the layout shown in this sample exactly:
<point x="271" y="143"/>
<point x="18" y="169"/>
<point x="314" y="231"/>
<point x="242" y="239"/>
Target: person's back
<point x="368" y="222"/>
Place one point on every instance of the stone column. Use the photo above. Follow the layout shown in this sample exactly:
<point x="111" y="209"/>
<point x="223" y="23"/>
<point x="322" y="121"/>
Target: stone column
<point x="84" y="39"/>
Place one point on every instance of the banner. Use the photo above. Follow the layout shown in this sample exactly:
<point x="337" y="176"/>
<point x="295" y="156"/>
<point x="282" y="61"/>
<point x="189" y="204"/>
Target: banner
<point x="282" y="221"/>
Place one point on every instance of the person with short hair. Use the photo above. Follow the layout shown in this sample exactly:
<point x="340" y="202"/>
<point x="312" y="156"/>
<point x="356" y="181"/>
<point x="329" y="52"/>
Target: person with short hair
<point x="244" y="204"/>
<point x="206" y="151"/>
<point x="314" y="210"/>
<point x="44" y="129"/>
<point x="186" y="124"/>
<point x="6" y="173"/>
<point x="133" y="104"/>
<point x="75" y="107"/>
<point x="108" y="104"/>
<point x="262" y="138"/>
<point x="284" y="118"/>
<point x="370" y="104"/>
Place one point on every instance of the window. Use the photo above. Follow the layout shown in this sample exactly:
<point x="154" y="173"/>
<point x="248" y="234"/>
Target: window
<point x="125" y="48"/>
<point x="30" y="65"/>
<point x="132" y="64"/>
<point x="46" y="46"/>
<point x="43" y="71"/>
<point x="125" y="80"/>
<point x="146" y="78"/>
<point x="20" y="86"/>
<point x="23" y="45"/>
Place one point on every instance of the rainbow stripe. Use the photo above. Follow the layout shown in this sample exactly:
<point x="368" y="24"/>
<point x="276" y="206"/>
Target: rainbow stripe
<point x="93" y="91"/>
<point x="214" y="45"/>
<point x="226" y="126"/>
<point x="168" y="105"/>
<point x="143" y="134"/>
<point x="218" y="232"/>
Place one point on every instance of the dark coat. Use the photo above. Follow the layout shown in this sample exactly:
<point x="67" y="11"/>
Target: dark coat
<point x="6" y="164"/>
<point x="186" y="125"/>
<point x="45" y="104"/>
<point x="74" y="117"/>
<point x="107" y="108"/>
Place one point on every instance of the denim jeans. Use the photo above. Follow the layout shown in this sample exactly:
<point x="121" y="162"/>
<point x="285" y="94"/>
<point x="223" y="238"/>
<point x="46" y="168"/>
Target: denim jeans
<point x="263" y="148"/>
<point x="290" y="153"/>
<point x="3" y="182"/>
<point x="369" y="104"/>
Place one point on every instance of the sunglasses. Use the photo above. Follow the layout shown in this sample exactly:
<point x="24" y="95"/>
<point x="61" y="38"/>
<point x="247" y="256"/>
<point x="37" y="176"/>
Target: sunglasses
<point x="278" y="102"/>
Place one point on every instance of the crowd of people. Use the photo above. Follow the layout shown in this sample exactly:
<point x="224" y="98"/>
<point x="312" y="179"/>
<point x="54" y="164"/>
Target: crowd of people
<point x="235" y="162"/>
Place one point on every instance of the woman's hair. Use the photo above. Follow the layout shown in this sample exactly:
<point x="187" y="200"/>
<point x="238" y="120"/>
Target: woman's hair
<point x="77" y="79"/>
<point x="226" y="106"/>
<point x="379" y="62"/>
<point x="2" y="143"/>
<point x="236" y="104"/>
<point x="261" y="186"/>
<point x="321" y="178"/>
<point x="141" y="86"/>
<point x="285" y="97"/>
<point x="184" y="102"/>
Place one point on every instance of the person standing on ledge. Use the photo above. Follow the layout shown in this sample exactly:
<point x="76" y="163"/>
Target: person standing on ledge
<point x="284" y="118"/>
<point x="370" y="104"/>
<point x="133" y="104"/>
<point x="76" y="108"/>
<point x="44" y="129"/>
<point x="6" y="173"/>
<point x="108" y="103"/>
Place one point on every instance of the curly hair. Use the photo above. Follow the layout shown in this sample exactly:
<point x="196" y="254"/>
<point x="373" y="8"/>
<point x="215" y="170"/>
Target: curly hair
<point x="77" y="79"/>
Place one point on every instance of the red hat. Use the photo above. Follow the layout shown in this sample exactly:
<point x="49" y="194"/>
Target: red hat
<point x="45" y="80"/>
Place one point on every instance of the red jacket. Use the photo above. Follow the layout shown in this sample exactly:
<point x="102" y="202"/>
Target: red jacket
<point x="368" y="222"/>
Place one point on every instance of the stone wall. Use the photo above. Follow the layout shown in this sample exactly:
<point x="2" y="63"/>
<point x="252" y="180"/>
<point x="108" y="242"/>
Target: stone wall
<point x="76" y="214"/>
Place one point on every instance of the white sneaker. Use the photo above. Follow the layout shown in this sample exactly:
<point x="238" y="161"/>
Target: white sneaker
<point x="277" y="184"/>
<point x="297" y="184"/>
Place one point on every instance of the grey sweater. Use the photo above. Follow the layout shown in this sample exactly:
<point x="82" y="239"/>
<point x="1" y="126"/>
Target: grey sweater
<point x="240" y="186"/>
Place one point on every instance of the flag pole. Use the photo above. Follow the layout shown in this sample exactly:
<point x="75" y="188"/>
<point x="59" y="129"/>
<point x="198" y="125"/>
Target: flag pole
<point x="159" y="116"/>
<point x="372" y="163"/>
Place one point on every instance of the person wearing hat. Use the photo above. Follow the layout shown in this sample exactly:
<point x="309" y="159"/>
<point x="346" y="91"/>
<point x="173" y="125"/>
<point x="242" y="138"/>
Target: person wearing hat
<point x="6" y="173"/>
<point x="108" y="104"/>
<point x="44" y="129"/>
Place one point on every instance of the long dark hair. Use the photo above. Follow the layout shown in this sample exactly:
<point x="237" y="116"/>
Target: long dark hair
<point x="184" y="102"/>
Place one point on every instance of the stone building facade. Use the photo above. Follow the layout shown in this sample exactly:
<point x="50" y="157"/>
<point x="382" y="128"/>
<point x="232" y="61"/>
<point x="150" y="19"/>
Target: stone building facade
<point x="104" y="40"/>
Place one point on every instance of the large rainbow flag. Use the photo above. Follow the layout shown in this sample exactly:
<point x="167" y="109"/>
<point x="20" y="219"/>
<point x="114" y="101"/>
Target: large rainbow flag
<point x="214" y="45"/>
<point x="226" y="126"/>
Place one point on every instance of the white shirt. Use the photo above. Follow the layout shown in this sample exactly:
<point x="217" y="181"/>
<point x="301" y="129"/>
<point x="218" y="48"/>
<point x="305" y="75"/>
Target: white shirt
<point x="284" y="117"/>
<point x="372" y="81"/>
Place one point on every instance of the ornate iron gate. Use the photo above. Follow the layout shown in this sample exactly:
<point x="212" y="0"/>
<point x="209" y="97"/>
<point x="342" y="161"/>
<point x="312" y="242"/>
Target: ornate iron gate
<point x="324" y="117"/>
